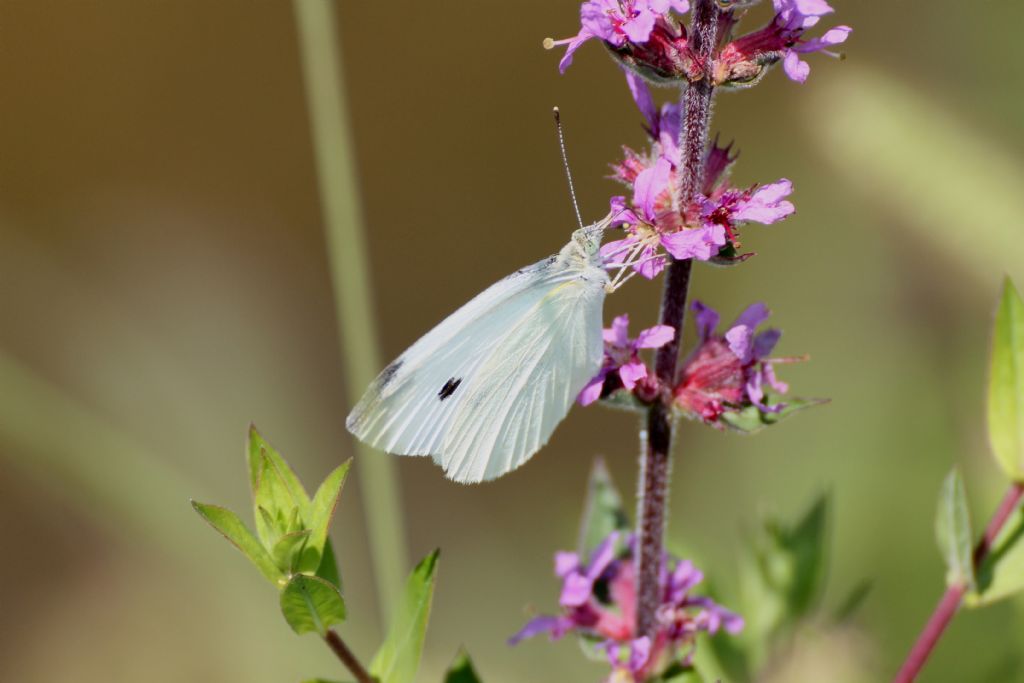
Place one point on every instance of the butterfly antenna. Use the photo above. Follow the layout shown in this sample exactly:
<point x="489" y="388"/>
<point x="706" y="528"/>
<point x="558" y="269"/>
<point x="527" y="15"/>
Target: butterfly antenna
<point x="565" y="163"/>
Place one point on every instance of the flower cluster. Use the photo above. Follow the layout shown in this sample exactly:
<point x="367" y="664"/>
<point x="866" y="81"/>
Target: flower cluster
<point x="730" y="372"/>
<point x="598" y="603"/>
<point x="707" y="227"/>
<point x="726" y="373"/>
<point x="744" y="60"/>
<point x="647" y="38"/>
<point x="622" y="367"/>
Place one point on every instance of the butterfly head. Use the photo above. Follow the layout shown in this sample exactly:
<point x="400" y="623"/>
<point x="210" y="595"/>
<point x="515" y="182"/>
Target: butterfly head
<point x="586" y="241"/>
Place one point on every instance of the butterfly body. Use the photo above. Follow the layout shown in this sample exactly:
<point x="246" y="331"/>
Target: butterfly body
<point x="484" y="390"/>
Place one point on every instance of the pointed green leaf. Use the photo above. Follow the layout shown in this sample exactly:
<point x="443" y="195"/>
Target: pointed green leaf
<point x="953" y="531"/>
<point x="1001" y="574"/>
<point x="320" y="512"/>
<point x="784" y="576"/>
<point x="603" y="511"/>
<point x="806" y="545"/>
<point x="399" y="657"/>
<point x="279" y="510"/>
<point x="311" y="604"/>
<point x="849" y="607"/>
<point x="751" y="419"/>
<point x="1006" y="384"/>
<point x="257" y="446"/>
<point x="461" y="670"/>
<point x="328" y="569"/>
<point x="289" y="549"/>
<point x="231" y="527"/>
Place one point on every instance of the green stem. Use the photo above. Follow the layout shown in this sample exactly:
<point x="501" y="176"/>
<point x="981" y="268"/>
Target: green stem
<point x="317" y="24"/>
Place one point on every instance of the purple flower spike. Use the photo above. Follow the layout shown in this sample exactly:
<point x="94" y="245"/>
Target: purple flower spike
<point x="621" y="357"/>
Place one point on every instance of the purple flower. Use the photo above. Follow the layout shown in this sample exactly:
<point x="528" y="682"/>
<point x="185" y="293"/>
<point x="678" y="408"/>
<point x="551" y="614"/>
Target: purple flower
<point x="730" y="371"/>
<point x="621" y="357"/>
<point x="599" y="603"/>
<point x="798" y="16"/>
<point x="617" y="22"/>
<point x="742" y="61"/>
<point x="728" y="207"/>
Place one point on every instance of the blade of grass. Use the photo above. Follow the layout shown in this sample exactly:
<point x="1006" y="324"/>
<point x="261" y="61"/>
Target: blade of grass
<point x="346" y="248"/>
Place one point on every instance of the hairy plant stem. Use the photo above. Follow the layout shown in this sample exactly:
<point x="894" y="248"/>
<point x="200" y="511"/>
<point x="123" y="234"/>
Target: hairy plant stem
<point x="655" y="466"/>
<point x="950" y="601"/>
<point x="339" y="648"/>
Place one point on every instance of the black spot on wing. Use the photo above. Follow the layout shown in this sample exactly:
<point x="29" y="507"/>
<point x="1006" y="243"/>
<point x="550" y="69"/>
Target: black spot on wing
<point x="449" y="388"/>
<point x="388" y="374"/>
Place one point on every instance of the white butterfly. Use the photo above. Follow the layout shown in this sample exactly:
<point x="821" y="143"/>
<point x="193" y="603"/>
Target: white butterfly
<point x="484" y="390"/>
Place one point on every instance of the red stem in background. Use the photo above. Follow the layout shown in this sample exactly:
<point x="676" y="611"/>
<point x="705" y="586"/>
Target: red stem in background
<point x="950" y="602"/>
<point x="656" y="460"/>
<point x="340" y="649"/>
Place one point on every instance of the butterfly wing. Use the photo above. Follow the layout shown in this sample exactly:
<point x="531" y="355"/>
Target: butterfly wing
<point x="528" y="383"/>
<point x="410" y="406"/>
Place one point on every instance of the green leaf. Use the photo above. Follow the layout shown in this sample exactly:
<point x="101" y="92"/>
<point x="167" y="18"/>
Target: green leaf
<point x="279" y="510"/>
<point x="677" y="673"/>
<point x="953" y="531"/>
<point x="751" y="419"/>
<point x="624" y="400"/>
<point x="850" y="605"/>
<point x="603" y="511"/>
<point x="784" y="576"/>
<point x="319" y="519"/>
<point x="805" y="544"/>
<point x="258" y="446"/>
<point x="461" y="670"/>
<point x="231" y="527"/>
<point x="730" y="656"/>
<point x="328" y="569"/>
<point x="276" y="489"/>
<point x="289" y="549"/>
<point x="1001" y="574"/>
<point x="399" y="657"/>
<point x="1006" y="384"/>
<point x="320" y="680"/>
<point x="311" y="604"/>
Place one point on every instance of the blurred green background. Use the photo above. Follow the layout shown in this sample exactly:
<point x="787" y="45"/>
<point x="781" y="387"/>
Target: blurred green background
<point x="164" y="281"/>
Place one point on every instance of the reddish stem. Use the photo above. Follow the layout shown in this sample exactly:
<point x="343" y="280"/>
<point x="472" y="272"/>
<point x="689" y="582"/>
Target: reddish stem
<point x="656" y="460"/>
<point x="340" y="649"/>
<point x="950" y="602"/>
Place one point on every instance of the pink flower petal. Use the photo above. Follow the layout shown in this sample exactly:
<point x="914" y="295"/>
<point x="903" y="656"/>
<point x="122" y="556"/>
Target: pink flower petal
<point x="650" y="183"/>
<point x="618" y="334"/>
<point x="698" y="243"/>
<point x="655" y="337"/>
<point x="631" y="373"/>
<point x="795" y="68"/>
<point x="592" y="391"/>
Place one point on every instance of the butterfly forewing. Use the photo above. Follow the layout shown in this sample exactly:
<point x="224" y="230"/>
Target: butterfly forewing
<point x="527" y="385"/>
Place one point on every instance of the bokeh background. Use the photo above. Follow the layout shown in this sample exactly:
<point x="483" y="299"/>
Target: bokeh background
<point x="164" y="281"/>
